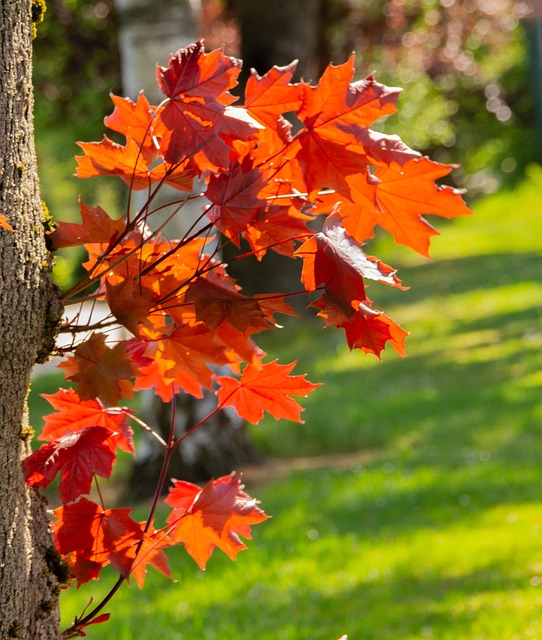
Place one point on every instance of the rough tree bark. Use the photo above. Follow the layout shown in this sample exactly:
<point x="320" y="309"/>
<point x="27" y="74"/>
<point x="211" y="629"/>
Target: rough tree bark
<point x="29" y="565"/>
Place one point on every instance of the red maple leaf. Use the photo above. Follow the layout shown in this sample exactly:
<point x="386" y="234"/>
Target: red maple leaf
<point x="130" y="303"/>
<point x="271" y="303"/>
<point x="370" y="330"/>
<point x="216" y="301"/>
<point x="330" y="151"/>
<point x="195" y="122"/>
<point x="265" y="388"/>
<point x="366" y="328"/>
<point x="93" y="537"/>
<point x="279" y="225"/>
<point x="103" y="617"/>
<point x="74" y="414"/>
<point x="234" y="198"/>
<point x="247" y="202"/>
<point x="193" y="73"/>
<point x="100" y="371"/>
<point x="215" y="516"/>
<point x="239" y="346"/>
<point x="77" y="456"/>
<point x="96" y="226"/>
<point x="334" y="259"/>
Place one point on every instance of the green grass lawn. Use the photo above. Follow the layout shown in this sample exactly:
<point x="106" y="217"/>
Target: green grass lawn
<point x="436" y="532"/>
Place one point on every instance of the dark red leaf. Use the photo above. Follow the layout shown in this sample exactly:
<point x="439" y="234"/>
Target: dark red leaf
<point x="77" y="456"/>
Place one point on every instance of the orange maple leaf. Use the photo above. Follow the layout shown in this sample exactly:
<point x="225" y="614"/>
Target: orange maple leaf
<point x="181" y="359"/>
<point x="329" y="150"/>
<point x="266" y="388"/>
<point x="100" y="371"/>
<point x="215" y="516"/>
<point x="268" y="97"/>
<point x="108" y="158"/>
<point x="151" y="553"/>
<point x="4" y="224"/>
<point x="134" y="120"/>
<point x="404" y="194"/>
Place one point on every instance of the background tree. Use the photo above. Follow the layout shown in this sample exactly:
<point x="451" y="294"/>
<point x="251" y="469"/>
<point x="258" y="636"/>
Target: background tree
<point x="29" y="564"/>
<point x="76" y="65"/>
<point x="467" y="63"/>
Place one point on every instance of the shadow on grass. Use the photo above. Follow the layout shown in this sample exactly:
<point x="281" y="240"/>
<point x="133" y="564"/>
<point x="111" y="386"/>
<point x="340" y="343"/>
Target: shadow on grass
<point x="468" y="383"/>
<point x="386" y="500"/>
<point x="460" y="275"/>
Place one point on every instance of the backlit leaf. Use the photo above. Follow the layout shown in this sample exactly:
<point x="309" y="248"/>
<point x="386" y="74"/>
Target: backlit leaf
<point x="77" y="456"/>
<point x="100" y="371"/>
<point x="266" y="388"/>
<point x="215" y="516"/>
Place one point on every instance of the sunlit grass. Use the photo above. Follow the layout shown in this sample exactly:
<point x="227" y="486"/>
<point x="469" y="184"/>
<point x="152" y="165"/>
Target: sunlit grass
<point x="390" y="550"/>
<point x="436" y="531"/>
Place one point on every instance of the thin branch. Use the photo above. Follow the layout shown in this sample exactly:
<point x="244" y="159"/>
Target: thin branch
<point x="202" y="422"/>
<point x="75" y="630"/>
<point x="148" y="429"/>
<point x="165" y="465"/>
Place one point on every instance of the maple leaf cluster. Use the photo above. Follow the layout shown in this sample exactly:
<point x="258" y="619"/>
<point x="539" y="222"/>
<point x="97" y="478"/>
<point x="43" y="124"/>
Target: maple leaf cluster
<point x="315" y="192"/>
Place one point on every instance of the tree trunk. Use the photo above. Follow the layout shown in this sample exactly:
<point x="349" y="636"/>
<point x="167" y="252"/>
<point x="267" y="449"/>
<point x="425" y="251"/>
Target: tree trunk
<point x="149" y="31"/>
<point x="275" y="33"/>
<point x="29" y="564"/>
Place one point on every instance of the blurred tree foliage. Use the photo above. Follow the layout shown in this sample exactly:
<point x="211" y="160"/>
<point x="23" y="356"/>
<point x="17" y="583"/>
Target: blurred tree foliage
<point x="76" y="65"/>
<point x="464" y="66"/>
